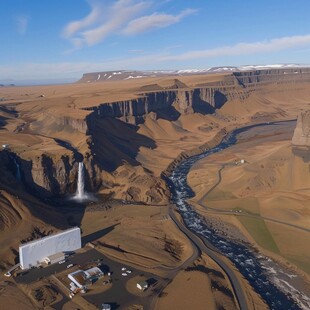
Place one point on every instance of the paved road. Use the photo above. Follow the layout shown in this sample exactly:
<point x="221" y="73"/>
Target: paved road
<point x="174" y="271"/>
<point x="210" y="250"/>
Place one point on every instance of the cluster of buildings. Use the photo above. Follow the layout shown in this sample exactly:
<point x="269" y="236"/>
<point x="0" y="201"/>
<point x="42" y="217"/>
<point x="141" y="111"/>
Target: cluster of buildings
<point x="80" y="279"/>
<point x="53" y="249"/>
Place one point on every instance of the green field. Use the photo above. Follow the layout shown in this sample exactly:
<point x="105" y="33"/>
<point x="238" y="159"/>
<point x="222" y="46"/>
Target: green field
<point x="259" y="231"/>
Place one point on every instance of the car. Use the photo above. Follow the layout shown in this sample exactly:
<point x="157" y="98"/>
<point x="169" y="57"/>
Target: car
<point x="8" y="274"/>
<point x="123" y="268"/>
<point x="70" y="265"/>
<point x="129" y="271"/>
<point x="124" y="274"/>
<point x="61" y="262"/>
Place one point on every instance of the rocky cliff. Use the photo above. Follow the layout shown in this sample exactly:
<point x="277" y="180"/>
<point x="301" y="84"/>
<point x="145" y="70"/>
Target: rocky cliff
<point x="273" y="76"/>
<point x="110" y="133"/>
<point x="204" y="99"/>
<point x="169" y="104"/>
<point x="302" y="131"/>
<point x="48" y="176"/>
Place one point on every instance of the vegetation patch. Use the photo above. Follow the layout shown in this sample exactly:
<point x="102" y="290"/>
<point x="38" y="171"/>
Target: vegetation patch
<point x="258" y="229"/>
<point x="297" y="260"/>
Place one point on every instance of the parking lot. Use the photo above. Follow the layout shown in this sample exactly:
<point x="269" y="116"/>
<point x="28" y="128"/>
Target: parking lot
<point x="117" y="295"/>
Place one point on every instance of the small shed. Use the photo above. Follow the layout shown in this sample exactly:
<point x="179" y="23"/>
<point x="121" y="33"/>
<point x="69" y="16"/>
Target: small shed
<point x="142" y="285"/>
<point x="55" y="258"/>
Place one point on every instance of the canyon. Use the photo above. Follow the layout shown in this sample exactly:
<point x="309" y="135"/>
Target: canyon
<point x="94" y="132"/>
<point x="130" y="134"/>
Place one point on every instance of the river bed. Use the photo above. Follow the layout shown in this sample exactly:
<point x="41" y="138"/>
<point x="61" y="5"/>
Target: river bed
<point x="271" y="281"/>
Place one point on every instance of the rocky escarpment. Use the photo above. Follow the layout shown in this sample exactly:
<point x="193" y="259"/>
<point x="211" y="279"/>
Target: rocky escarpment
<point x="48" y="176"/>
<point x="113" y="136"/>
<point x="301" y="135"/>
<point x="204" y="99"/>
<point x="273" y="76"/>
<point x="169" y="104"/>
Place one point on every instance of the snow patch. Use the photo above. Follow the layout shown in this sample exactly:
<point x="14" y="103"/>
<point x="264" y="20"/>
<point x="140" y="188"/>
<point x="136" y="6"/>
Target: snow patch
<point x="134" y="77"/>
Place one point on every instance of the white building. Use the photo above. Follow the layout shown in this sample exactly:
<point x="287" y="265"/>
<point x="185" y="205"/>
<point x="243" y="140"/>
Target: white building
<point x="34" y="252"/>
<point x="82" y="278"/>
<point x="142" y="285"/>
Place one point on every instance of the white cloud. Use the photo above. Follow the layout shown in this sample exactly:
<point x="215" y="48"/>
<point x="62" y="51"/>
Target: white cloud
<point x="240" y="49"/>
<point x="22" y="24"/>
<point x="156" y="20"/>
<point x="117" y="17"/>
<point x="157" y="61"/>
<point x="105" y="18"/>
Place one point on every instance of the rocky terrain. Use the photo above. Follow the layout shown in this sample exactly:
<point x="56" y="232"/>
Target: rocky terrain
<point x="130" y="133"/>
<point x="49" y="133"/>
<point x="301" y="136"/>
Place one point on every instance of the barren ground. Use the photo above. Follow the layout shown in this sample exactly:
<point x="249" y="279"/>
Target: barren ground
<point x="272" y="185"/>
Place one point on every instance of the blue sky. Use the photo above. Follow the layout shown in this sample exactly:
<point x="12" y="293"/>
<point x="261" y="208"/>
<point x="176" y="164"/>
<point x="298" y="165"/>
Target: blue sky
<point x="58" y="39"/>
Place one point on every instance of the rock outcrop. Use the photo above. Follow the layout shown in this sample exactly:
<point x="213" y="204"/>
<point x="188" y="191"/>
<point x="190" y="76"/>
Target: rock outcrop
<point x="301" y="136"/>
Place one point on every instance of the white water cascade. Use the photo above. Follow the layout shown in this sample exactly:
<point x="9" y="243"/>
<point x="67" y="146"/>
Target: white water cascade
<point x="80" y="191"/>
<point x="80" y="185"/>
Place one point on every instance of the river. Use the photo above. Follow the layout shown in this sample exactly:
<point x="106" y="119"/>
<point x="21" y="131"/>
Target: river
<point x="270" y="280"/>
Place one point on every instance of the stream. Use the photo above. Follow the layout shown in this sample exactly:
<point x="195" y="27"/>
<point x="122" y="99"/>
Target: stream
<point x="272" y="282"/>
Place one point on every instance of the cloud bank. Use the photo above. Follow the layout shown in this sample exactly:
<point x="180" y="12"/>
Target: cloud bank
<point x="240" y="49"/>
<point x="69" y="69"/>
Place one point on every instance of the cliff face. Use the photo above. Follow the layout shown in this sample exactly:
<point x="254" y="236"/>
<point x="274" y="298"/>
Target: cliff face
<point x="277" y="76"/>
<point x="302" y="131"/>
<point x="112" y="140"/>
<point x="50" y="176"/>
<point x="205" y="99"/>
<point x="168" y="103"/>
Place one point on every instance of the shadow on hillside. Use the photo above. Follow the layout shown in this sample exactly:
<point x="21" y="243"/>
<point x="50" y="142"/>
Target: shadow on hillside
<point x="115" y="142"/>
<point x="97" y="234"/>
<point x="302" y="152"/>
<point x="204" y="107"/>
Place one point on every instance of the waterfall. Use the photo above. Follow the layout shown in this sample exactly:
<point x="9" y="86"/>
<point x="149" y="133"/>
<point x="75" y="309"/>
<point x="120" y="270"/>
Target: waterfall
<point x="80" y="194"/>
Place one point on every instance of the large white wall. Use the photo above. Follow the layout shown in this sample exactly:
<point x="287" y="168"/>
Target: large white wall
<point x="34" y="252"/>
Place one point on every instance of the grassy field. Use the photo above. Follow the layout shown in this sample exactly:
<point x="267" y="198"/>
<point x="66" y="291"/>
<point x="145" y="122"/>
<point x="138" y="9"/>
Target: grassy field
<point x="259" y="231"/>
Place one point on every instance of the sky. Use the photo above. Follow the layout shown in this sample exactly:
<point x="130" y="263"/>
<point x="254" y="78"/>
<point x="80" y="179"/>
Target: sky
<point x="59" y="40"/>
